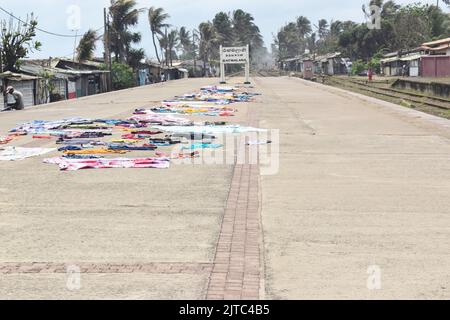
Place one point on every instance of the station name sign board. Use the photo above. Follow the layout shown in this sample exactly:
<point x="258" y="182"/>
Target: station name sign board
<point x="235" y="55"/>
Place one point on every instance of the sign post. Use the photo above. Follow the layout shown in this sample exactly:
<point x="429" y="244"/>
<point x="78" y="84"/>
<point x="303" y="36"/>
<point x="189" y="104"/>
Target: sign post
<point x="234" y="55"/>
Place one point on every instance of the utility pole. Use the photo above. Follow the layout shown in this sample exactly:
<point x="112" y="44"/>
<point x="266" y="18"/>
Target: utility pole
<point x="195" y="53"/>
<point x="107" y="46"/>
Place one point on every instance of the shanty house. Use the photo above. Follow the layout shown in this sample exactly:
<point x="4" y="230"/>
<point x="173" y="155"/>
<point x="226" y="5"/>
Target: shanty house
<point x="26" y="84"/>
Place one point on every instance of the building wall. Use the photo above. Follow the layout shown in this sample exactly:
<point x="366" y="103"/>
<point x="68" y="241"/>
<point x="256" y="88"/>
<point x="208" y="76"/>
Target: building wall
<point x="27" y="89"/>
<point x="435" y="66"/>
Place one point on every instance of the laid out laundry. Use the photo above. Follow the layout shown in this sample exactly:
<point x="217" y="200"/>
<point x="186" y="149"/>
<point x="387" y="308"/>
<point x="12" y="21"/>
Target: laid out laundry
<point x="40" y="126"/>
<point x="209" y="129"/>
<point x="145" y="132"/>
<point x="80" y="139"/>
<point x="165" y="141"/>
<point x="80" y="142"/>
<point x="180" y="155"/>
<point x="94" y="151"/>
<point x="202" y="146"/>
<point x="129" y="141"/>
<point x="17" y="153"/>
<point x="260" y="142"/>
<point x="101" y="163"/>
<point x="69" y="148"/>
<point x="80" y="156"/>
<point x="163" y="120"/>
<point x="125" y="147"/>
<point x="86" y="135"/>
<point x="5" y="139"/>
<point x="194" y="136"/>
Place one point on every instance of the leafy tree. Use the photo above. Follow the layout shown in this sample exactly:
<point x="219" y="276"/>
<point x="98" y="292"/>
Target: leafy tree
<point x="87" y="46"/>
<point x="17" y="41"/>
<point x="135" y="56"/>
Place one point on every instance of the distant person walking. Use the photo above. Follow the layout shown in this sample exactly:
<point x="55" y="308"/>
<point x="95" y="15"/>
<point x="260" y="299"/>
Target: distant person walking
<point x="404" y="70"/>
<point x="18" y="99"/>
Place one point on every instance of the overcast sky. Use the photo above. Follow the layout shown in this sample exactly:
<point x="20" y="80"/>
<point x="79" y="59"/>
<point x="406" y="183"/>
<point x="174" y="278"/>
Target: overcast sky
<point x="269" y="15"/>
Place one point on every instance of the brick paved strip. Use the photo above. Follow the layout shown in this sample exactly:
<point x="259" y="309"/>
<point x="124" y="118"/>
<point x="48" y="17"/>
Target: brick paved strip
<point x="237" y="272"/>
<point x="105" y="268"/>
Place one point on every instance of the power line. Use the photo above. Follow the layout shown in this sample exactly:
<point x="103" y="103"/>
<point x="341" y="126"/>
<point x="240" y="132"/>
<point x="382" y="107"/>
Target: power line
<point x="42" y="30"/>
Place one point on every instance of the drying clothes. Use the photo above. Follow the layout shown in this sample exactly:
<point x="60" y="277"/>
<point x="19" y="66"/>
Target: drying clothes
<point x="86" y="126"/>
<point x="132" y="148"/>
<point x="78" y="164"/>
<point x="166" y="141"/>
<point x="130" y="136"/>
<point x="94" y="151"/>
<point x="16" y="153"/>
<point x="5" y="140"/>
<point x="145" y="132"/>
<point x="80" y="156"/>
<point x="202" y="146"/>
<point x="190" y="155"/>
<point x="80" y="142"/>
<point x="69" y="148"/>
<point x="86" y="135"/>
<point x="164" y="120"/>
<point x="209" y="129"/>
<point x="194" y="136"/>
<point x="43" y="126"/>
<point x="129" y="141"/>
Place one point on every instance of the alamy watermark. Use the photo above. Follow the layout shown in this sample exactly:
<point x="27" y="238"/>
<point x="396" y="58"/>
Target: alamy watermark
<point x="73" y="281"/>
<point x="374" y="278"/>
<point x="252" y="148"/>
<point x="373" y="17"/>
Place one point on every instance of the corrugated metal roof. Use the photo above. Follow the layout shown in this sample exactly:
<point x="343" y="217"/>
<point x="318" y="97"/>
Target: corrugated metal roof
<point x="17" y="76"/>
<point x="437" y="42"/>
<point x="412" y="57"/>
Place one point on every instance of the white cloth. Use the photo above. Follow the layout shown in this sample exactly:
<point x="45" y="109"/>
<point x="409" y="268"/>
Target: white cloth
<point x="16" y="153"/>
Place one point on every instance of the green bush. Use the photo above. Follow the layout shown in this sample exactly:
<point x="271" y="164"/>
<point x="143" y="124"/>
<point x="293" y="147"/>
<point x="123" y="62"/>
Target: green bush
<point x="122" y="76"/>
<point x="359" y="66"/>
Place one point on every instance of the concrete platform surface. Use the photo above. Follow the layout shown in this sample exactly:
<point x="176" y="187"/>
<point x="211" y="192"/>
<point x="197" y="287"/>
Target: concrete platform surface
<point x="359" y="208"/>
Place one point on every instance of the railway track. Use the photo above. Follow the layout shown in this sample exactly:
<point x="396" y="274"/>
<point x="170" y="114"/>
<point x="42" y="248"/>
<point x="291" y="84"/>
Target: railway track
<point x="382" y="89"/>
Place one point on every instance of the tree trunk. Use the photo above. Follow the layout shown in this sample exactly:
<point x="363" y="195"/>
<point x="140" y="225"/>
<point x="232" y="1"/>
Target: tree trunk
<point x="156" y="49"/>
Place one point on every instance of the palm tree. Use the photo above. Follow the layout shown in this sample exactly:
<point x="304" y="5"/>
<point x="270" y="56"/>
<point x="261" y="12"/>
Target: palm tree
<point x="303" y="26"/>
<point x="184" y="38"/>
<point x="172" y="39"/>
<point x="87" y="46"/>
<point x="123" y="15"/>
<point x="322" y="28"/>
<point x="157" y="18"/>
<point x="207" y="39"/>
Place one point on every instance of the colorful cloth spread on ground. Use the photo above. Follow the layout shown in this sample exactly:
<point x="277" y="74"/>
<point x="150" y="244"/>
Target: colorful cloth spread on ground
<point x="79" y="139"/>
<point x="79" y="164"/>
<point x="163" y="120"/>
<point x="17" y="153"/>
<point x="5" y="139"/>
<point x="209" y="129"/>
<point x="195" y="146"/>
